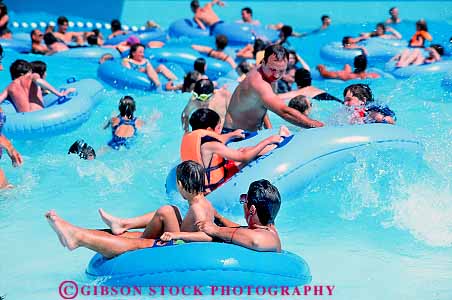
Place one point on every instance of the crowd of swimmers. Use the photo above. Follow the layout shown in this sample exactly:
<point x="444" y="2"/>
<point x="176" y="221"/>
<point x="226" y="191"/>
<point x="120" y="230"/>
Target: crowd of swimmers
<point x="212" y="118"/>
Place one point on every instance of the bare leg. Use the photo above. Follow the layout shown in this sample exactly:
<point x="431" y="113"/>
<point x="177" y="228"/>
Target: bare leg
<point x="166" y="72"/>
<point x="408" y="57"/>
<point x="119" y="225"/>
<point x="164" y="220"/>
<point x="101" y="242"/>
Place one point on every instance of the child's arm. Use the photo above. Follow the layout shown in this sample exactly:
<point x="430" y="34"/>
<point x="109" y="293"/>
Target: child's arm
<point x="4" y="95"/>
<point x="15" y="156"/>
<point x="267" y="122"/>
<point x="47" y="86"/>
<point x="238" y="133"/>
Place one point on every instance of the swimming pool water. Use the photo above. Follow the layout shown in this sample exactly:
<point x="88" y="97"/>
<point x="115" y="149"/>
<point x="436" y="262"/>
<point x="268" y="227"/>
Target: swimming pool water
<point x="378" y="228"/>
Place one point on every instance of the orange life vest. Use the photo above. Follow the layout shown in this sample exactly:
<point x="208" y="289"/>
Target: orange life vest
<point x="191" y="150"/>
<point x="420" y="34"/>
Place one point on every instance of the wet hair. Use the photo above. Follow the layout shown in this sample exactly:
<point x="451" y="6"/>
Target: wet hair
<point x="18" y="68"/>
<point x="324" y="17"/>
<point x="50" y="39"/>
<point x="279" y="51"/>
<point x="93" y="40"/>
<point x="189" y="81"/>
<point x="243" y="67"/>
<point x="61" y="20"/>
<point x="421" y="25"/>
<point x="300" y="103"/>
<point x="38" y="67"/>
<point x="192" y="176"/>
<point x="346" y="40"/>
<point x="303" y="78"/>
<point x="204" y="118"/>
<point x="248" y="10"/>
<point x="115" y="25"/>
<point x="382" y="25"/>
<point x="267" y="200"/>
<point x="33" y="32"/>
<point x="286" y="31"/>
<point x="203" y="86"/>
<point x="360" y="63"/>
<point x="4" y="9"/>
<point x="392" y="9"/>
<point x="360" y="91"/>
<point x="194" y="5"/>
<point x="259" y="45"/>
<point x="134" y="49"/>
<point x="221" y="41"/>
<point x="200" y="65"/>
<point x="127" y="107"/>
<point x="438" y="49"/>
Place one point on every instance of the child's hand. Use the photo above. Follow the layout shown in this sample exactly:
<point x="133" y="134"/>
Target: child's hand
<point x="238" y="133"/>
<point x="16" y="158"/>
<point x="168" y="236"/>
<point x="68" y="91"/>
<point x="207" y="227"/>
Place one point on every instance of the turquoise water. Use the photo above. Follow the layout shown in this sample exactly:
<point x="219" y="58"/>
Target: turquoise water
<point x="378" y="228"/>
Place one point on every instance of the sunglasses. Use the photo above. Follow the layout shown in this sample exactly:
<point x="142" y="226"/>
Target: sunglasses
<point x="201" y="97"/>
<point x="243" y="198"/>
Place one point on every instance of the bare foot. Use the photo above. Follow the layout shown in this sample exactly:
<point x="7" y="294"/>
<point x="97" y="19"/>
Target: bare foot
<point x="65" y="231"/>
<point x="116" y="224"/>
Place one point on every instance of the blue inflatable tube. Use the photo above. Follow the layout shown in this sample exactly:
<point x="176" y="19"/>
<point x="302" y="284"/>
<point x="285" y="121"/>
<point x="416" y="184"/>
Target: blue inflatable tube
<point x="88" y="52"/>
<point x="186" y="28"/>
<point x="378" y="50"/>
<point x="60" y="115"/>
<point x="114" y="74"/>
<point x="18" y="45"/>
<point x="442" y="66"/>
<point x="154" y="34"/>
<point x="315" y="75"/>
<point x="242" y="34"/>
<point x="202" y="264"/>
<point x="186" y="58"/>
<point x="309" y="154"/>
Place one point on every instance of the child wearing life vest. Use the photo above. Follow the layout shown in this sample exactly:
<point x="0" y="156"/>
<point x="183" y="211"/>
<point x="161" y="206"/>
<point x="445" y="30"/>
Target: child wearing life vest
<point x="418" y="39"/>
<point x="205" y="145"/>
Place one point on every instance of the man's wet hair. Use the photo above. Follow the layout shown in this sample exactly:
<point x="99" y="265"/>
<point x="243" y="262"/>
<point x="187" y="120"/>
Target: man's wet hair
<point x="267" y="200"/>
<point x="203" y="86"/>
<point x="360" y="63"/>
<point x="300" y="103"/>
<point x="127" y="107"/>
<point x="204" y="118"/>
<point x="61" y="20"/>
<point x="194" y="5"/>
<point x="346" y="40"/>
<point x="303" y="78"/>
<point x="259" y="45"/>
<point x="248" y="10"/>
<point x="382" y="25"/>
<point x="360" y="91"/>
<point x="243" y="67"/>
<point x="93" y="40"/>
<point x="192" y="176"/>
<point x="221" y="41"/>
<point x="286" y="30"/>
<point x="50" y="39"/>
<point x="18" y="68"/>
<point x="438" y="48"/>
<point x="279" y="51"/>
<point x="422" y="25"/>
<point x="189" y="81"/>
<point x="391" y="9"/>
<point x="324" y="17"/>
<point x="115" y="25"/>
<point x="134" y="49"/>
<point x="39" y="67"/>
<point x="33" y="32"/>
<point x="200" y="65"/>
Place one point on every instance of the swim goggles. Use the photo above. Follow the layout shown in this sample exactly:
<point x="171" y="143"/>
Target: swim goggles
<point x="201" y="97"/>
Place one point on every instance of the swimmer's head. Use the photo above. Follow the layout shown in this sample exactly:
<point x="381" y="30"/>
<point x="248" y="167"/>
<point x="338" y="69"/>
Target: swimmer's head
<point x="360" y="63"/>
<point x="263" y="199"/>
<point x="200" y="65"/>
<point x="39" y="67"/>
<point x="36" y="35"/>
<point x="243" y="68"/>
<point x="19" y="68"/>
<point x="93" y="40"/>
<point x="247" y="14"/>
<point x="394" y="12"/>
<point x="127" y="107"/>
<point x="301" y="103"/>
<point x="438" y="48"/>
<point x="105" y="57"/>
<point x="203" y="90"/>
<point x="259" y="45"/>
<point x="115" y="25"/>
<point x="50" y="39"/>
<point x="346" y="41"/>
<point x="421" y="25"/>
<point x="303" y="78"/>
<point x="132" y="40"/>
<point x="136" y="51"/>
<point x="274" y="64"/>
<point x="380" y="29"/>
<point x="285" y="31"/>
<point x="357" y="94"/>
<point x="326" y="20"/>
<point x="3" y="9"/>
<point x="204" y="118"/>
<point x="189" y="81"/>
<point x="194" y="5"/>
<point x="62" y="22"/>
<point x="190" y="178"/>
<point x="221" y="41"/>
<point x="83" y="150"/>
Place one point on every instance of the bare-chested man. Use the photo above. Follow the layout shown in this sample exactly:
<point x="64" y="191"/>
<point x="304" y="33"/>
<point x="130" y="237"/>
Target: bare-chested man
<point x="204" y="96"/>
<point x="254" y="95"/>
<point x="67" y="36"/>
<point x="25" y="91"/>
<point x="205" y="17"/>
